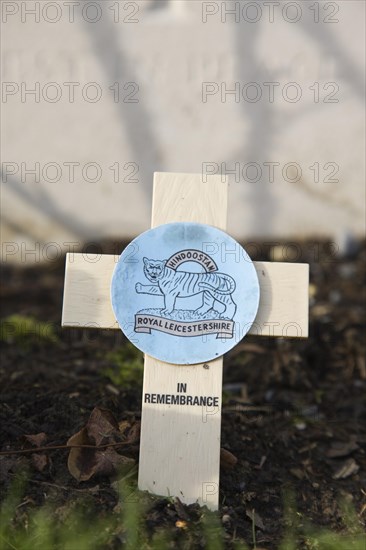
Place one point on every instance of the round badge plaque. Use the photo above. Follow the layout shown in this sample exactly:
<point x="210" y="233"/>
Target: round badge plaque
<point x="185" y="293"/>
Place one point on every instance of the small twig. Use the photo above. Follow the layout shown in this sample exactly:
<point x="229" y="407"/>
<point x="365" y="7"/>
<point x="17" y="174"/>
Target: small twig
<point x="55" y="447"/>
<point x="246" y="408"/>
<point x="253" y="529"/>
<point x="62" y="487"/>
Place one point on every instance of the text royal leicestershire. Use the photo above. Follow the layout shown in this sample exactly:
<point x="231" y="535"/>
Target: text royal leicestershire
<point x="146" y="323"/>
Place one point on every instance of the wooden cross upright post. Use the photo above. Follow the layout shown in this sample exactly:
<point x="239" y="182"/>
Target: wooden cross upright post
<point x="180" y="445"/>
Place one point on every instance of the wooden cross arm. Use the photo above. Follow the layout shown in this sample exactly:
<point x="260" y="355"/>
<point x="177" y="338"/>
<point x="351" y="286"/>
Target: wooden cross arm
<point x="283" y="308"/>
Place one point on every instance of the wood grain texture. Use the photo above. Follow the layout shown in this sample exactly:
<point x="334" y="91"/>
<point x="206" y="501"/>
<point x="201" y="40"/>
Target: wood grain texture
<point x="187" y="198"/>
<point x="180" y="446"/>
<point x="283" y="308"/>
<point x="284" y="300"/>
<point x="87" y="301"/>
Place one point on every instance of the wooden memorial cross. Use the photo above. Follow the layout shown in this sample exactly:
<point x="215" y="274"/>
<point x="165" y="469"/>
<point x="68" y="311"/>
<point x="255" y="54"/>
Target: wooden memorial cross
<point x="180" y="445"/>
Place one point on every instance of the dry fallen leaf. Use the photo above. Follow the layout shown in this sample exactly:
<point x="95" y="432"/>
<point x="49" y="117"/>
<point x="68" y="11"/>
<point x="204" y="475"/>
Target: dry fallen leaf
<point x="348" y="468"/>
<point x="299" y="474"/>
<point x="108" y="461"/>
<point x="101" y="426"/>
<point x="133" y="434"/>
<point x="79" y="457"/>
<point x="39" y="461"/>
<point x="101" y="429"/>
<point x="227" y="459"/>
<point x="341" y="448"/>
<point x="37" y="440"/>
<point x="83" y="464"/>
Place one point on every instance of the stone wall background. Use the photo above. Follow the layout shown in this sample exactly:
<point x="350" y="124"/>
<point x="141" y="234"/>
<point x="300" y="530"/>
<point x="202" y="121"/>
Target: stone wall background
<point x="123" y="89"/>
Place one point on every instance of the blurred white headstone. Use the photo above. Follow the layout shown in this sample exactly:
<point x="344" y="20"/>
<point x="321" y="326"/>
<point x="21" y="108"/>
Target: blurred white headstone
<point x="99" y="95"/>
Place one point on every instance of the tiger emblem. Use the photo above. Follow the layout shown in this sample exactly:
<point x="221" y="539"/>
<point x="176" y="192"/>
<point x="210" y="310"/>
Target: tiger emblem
<point x="172" y="284"/>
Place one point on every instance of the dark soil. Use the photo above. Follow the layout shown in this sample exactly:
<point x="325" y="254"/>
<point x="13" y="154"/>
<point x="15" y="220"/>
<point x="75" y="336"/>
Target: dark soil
<point x="293" y="415"/>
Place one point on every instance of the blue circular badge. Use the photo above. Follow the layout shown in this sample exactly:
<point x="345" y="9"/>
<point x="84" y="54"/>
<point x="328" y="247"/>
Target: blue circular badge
<point x="185" y="293"/>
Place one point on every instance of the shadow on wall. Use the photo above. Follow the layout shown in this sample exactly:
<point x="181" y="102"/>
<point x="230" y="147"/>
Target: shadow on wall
<point x="264" y="121"/>
<point x="137" y="122"/>
<point x="261" y="122"/>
